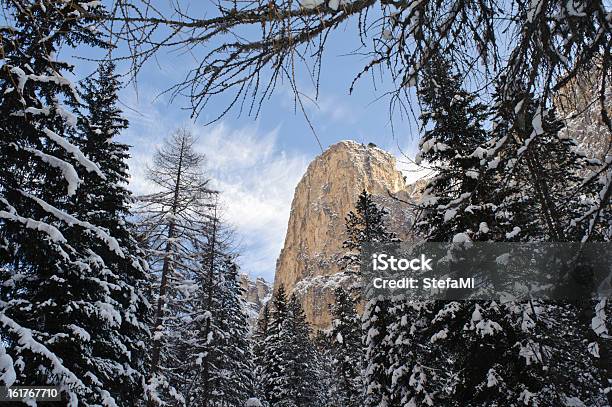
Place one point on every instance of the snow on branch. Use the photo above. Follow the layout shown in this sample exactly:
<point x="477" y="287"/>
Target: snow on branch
<point x="68" y="171"/>
<point x="54" y="234"/>
<point x="56" y="78"/>
<point x="27" y="341"/>
<point x="70" y="220"/>
<point x="89" y="165"/>
<point x="7" y="369"/>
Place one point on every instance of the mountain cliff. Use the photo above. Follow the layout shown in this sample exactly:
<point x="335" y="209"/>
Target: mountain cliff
<point x="308" y="262"/>
<point x="256" y="293"/>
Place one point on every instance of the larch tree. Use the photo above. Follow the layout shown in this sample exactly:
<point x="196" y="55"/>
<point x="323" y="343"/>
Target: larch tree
<point x="174" y="224"/>
<point x="542" y="43"/>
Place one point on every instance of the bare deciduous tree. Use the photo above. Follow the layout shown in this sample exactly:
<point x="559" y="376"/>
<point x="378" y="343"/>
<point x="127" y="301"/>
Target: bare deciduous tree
<point x="174" y="223"/>
<point x="247" y="47"/>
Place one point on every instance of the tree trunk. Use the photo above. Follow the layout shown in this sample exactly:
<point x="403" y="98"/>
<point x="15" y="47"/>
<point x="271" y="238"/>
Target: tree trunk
<point x="211" y="270"/>
<point x="163" y="285"/>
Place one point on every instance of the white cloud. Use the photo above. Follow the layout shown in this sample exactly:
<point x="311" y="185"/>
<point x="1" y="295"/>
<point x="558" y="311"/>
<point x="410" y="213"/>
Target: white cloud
<point x="138" y="164"/>
<point x="256" y="179"/>
<point x="327" y="107"/>
<point x="334" y="108"/>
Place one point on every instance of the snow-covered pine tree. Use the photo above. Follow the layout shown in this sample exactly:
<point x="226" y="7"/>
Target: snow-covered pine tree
<point x="537" y="156"/>
<point x="222" y="367"/>
<point x="106" y="202"/>
<point x="364" y="225"/>
<point x="289" y="365"/>
<point x="376" y="370"/>
<point x="236" y="379"/>
<point x="60" y="312"/>
<point x="367" y="225"/>
<point x="274" y="377"/>
<point x="174" y="223"/>
<point x="301" y="365"/>
<point x="453" y="147"/>
<point x="346" y="350"/>
<point x="484" y="353"/>
<point x="327" y="375"/>
<point x="456" y="206"/>
<point x="259" y="351"/>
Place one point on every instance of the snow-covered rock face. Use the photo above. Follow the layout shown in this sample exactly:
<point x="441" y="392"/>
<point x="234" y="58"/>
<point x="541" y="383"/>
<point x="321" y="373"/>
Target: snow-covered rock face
<point x="256" y="293"/>
<point x="308" y="263"/>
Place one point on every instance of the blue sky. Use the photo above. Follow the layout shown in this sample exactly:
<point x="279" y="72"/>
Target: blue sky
<point x="257" y="162"/>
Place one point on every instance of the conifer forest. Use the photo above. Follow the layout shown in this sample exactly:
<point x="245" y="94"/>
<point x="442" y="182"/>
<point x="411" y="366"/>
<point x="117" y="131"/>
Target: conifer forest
<point x="115" y="296"/>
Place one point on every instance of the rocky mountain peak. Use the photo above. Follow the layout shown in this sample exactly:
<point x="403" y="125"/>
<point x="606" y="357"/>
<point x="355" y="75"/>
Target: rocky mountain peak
<point x="308" y="262"/>
<point x="256" y="293"/>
